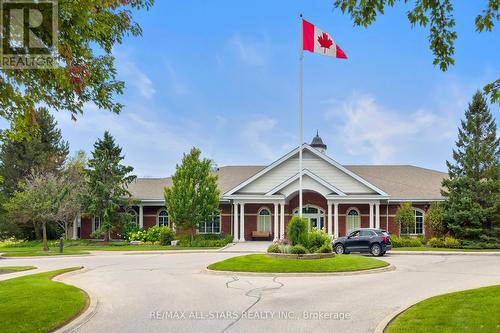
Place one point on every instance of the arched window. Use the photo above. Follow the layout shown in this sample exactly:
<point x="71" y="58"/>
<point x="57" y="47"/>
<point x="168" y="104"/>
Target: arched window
<point x="212" y="226"/>
<point x="133" y="215"/>
<point x="353" y="219"/>
<point x="163" y="218"/>
<point x="264" y="220"/>
<point x="418" y="227"/>
<point x="315" y="216"/>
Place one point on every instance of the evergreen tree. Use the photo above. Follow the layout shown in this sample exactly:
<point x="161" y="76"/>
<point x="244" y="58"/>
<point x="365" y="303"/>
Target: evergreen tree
<point x="108" y="180"/>
<point x="44" y="151"/>
<point x="193" y="196"/>
<point x="473" y="188"/>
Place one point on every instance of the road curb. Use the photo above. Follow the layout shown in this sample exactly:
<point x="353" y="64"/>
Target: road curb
<point x="444" y="253"/>
<point x="81" y="319"/>
<point x="367" y="271"/>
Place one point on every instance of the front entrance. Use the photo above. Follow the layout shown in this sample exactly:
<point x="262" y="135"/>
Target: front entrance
<point x="315" y="216"/>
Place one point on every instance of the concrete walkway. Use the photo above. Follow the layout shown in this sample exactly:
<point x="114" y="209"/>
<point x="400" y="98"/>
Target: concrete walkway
<point x="248" y="247"/>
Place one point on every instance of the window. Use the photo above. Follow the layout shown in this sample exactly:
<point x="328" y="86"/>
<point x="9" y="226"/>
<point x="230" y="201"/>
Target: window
<point x="418" y="227"/>
<point x="163" y="218"/>
<point x="353" y="219"/>
<point x="97" y="223"/>
<point x="210" y="227"/>
<point x="366" y="233"/>
<point x="133" y="215"/>
<point x="315" y="216"/>
<point x="264" y="220"/>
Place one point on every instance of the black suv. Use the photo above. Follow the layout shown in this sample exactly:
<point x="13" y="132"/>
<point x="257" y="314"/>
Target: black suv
<point x="375" y="241"/>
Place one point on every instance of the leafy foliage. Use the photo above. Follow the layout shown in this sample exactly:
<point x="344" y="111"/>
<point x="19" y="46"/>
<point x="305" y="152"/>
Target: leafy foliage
<point x="297" y="231"/>
<point x="166" y="235"/>
<point x="107" y="181"/>
<point x="317" y="239"/>
<point x="434" y="218"/>
<point x="298" y="249"/>
<point x="193" y="196"/>
<point x="405" y="217"/>
<point x="88" y="31"/>
<point x="438" y="15"/>
<point x="405" y="242"/>
<point x="473" y="188"/>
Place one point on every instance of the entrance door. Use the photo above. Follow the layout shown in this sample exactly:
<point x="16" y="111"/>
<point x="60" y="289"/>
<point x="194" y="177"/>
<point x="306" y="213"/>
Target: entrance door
<point x="315" y="216"/>
<point x="353" y="221"/>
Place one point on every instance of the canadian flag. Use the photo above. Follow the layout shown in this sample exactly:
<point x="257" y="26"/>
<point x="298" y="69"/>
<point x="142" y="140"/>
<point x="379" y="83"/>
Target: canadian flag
<point x="319" y="41"/>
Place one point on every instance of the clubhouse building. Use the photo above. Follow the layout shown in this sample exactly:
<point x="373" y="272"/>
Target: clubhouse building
<point x="257" y="201"/>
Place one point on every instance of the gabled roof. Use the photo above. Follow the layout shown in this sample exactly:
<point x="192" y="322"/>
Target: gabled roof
<point x="306" y="172"/>
<point x="315" y="152"/>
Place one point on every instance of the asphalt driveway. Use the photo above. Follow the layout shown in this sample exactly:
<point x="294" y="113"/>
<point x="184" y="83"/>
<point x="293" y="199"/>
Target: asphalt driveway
<point x="169" y="292"/>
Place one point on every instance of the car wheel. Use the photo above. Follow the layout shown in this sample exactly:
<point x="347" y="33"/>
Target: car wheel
<point x="376" y="250"/>
<point x="339" y="249"/>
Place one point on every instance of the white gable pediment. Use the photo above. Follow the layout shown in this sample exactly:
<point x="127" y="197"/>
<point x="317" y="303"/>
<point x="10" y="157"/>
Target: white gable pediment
<point x="323" y="172"/>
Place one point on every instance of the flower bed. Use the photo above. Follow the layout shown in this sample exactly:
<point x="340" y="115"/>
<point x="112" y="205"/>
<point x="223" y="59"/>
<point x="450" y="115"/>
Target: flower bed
<point x="302" y="256"/>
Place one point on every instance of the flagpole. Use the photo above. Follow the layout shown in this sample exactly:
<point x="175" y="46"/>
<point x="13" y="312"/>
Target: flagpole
<point x="300" y="115"/>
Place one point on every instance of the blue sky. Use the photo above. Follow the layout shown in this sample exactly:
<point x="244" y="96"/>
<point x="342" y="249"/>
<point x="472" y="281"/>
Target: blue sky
<point x="223" y="76"/>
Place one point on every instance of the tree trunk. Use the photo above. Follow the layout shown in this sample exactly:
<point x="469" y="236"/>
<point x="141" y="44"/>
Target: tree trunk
<point x="36" y="226"/>
<point x="66" y="227"/>
<point x="106" y="236"/>
<point x="45" y="244"/>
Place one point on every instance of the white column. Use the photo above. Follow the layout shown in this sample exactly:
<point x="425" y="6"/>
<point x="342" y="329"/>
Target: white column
<point x="282" y="221"/>
<point x="242" y="217"/>
<point x="235" y="222"/>
<point x="336" y="219"/>
<point x="276" y="221"/>
<point x="371" y="215"/>
<point x="377" y="215"/>
<point x="141" y="217"/>
<point x="329" y="219"/>
<point x="75" y="227"/>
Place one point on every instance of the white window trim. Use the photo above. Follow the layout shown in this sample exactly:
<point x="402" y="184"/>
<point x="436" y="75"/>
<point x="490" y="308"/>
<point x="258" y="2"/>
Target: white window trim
<point x="136" y="215"/>
<point x="415" y="225"/>
<point x="212" y="233"/>
<point x="347" y="216"/>
<point x="158" y="216"/>
<point x="93" y="223"/>
<point x="270" y="218"/>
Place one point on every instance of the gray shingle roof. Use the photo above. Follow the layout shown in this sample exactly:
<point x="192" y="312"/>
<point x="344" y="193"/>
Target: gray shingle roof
<point x="399" y="181"/>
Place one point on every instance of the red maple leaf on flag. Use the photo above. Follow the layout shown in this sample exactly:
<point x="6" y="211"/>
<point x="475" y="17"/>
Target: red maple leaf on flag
<point x="325" y="41"/>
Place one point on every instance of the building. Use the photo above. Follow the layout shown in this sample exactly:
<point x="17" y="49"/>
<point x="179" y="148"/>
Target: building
<point x="257" y="201"/>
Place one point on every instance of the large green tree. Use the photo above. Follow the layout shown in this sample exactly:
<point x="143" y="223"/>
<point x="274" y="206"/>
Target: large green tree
<point x="194" y="195"/>
<point x="438" y="15"/>
<point x="85" y="72"/>
<point x="107" y="182"/>
<point x="473" y="188"/>
<point x="44" y="151"/>
<point x="405" y="217"/>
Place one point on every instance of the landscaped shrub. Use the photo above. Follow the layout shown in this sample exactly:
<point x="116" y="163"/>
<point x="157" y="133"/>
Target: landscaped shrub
<point x="166" y="235"/>
<point x="297" y="230"/>
<point x="98" y="234"/>
<point x="435" y="242"/>
<point x="451" y="242"/>
<point x="285" y="248"/>
<point x="298" y="249"/>
<point x="316" y="239"/>
<point x="139" y="235"/>
<point x="325" y="248"/>
<point x="205" y="240"/>
<point x="273" y="248"/>
<point x="128" y="228"/>
<point x="153" y="234"/>
<point x="405" y="242"/>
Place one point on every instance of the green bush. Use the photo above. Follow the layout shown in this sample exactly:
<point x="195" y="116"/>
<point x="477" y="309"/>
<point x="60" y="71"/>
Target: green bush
<point x="325" y="248"/>
<point x="139" y="235"/>
<point x="451" y="242"/>
<point x="273" y="248"/>
<point x="298" y="249"/>
<point x="166" y="235"/>
<point x="468" y="244"/>
<point x="153" y="234"/>
<point x="128" y="228"/>
<point x="316" y="239"/>
<point x="98" y="234"/>
<point x="435" y="242"/>
<point x="205" y="240"/>
<point x="405" y="242"/>
<point x="297" y="230"/>
<point x="285" y="248"/>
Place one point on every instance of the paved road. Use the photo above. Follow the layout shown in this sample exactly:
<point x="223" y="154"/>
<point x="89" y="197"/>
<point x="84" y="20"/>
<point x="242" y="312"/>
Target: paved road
<point x="131" y="289"/>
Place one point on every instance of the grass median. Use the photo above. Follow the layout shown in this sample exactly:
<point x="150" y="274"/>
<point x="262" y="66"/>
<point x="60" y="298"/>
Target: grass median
<point x="13" y="269"/>
<point x="475" y="310"/>
<point x="35" y="303"/>
<point x="266" y="264"/>
<point x="442" y="249"/>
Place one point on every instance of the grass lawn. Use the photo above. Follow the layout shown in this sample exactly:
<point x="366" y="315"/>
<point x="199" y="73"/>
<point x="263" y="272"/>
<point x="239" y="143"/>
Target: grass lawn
<point x="267" y="264"/>
<point x="476" y="310"/>
<point x="425" y="248"/>
<point x="12" y="269"/>
<point x="34" y="248"/>
<point x="35" y="303"/>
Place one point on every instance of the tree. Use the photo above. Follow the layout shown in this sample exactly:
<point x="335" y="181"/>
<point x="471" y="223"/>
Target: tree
<point x="107" y="182"/>
<point x="85" y="72"/>
<point x="405" y="217"/>
<point x="434" y="218"/>
<point x="438" y="14"/>
<point x="44" y="151"/>
<point x="194" y="195"/>
<point x="473" y="187"/>
<point x="37" y="201"/>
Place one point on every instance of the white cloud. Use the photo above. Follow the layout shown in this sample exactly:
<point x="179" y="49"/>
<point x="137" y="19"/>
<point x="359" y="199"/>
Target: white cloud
<point x="132" y="74"/>
<point x="367" y="128"/>
<point x="260" y="137"/>
<point x="251" y="52"/>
